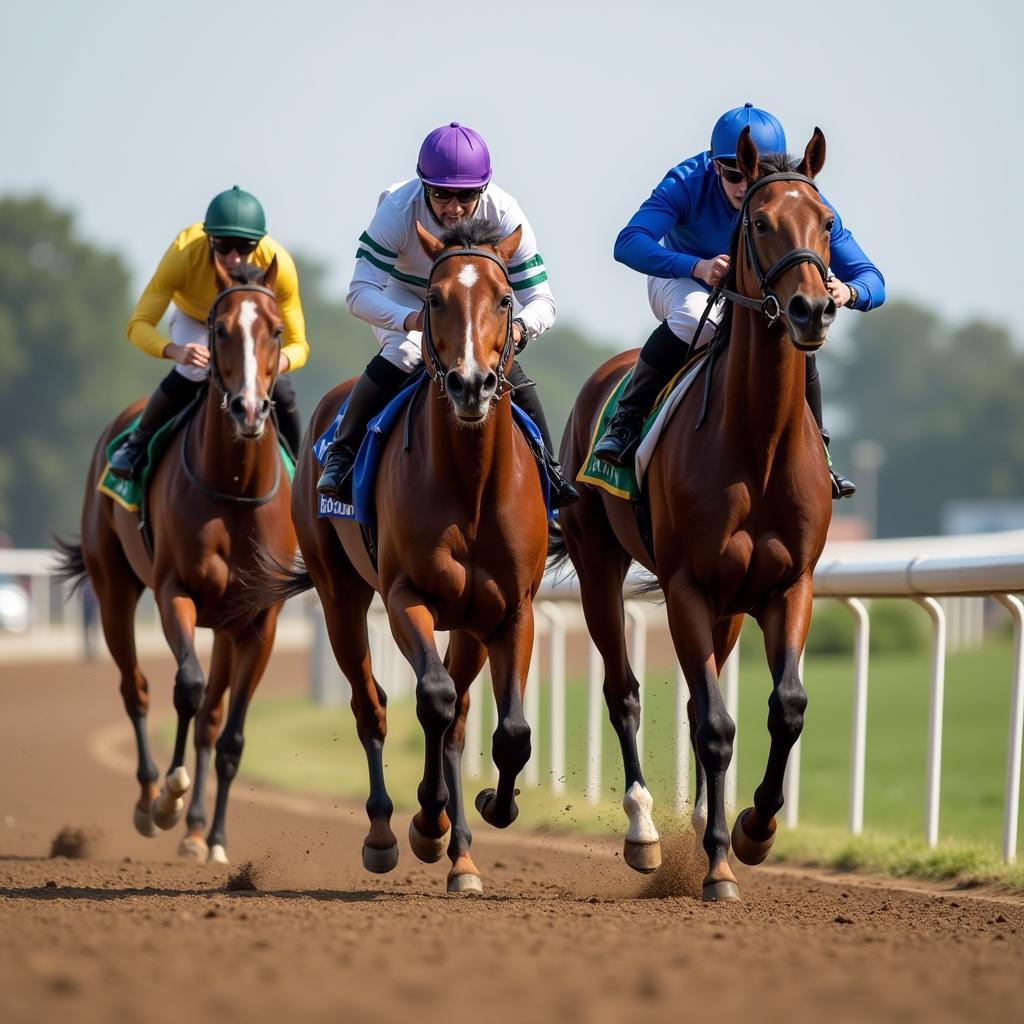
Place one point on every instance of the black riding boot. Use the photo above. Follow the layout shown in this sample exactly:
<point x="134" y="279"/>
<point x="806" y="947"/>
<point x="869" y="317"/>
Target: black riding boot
<point x="174" y="392"/>
<point x="287" y="416"/>
<point x="661" y="357"/>
<point x="842" y="487"/>
<point x="562" y="491"/>
<point x="380" y="382"/>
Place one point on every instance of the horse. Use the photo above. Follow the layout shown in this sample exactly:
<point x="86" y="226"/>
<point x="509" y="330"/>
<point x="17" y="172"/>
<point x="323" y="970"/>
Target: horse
<point x="737" y="512"/>
<point x="461" y="546"/>
<point x="211" y="501"/>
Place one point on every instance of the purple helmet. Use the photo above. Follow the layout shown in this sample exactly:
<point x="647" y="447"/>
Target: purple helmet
<point x="454" y="156"/>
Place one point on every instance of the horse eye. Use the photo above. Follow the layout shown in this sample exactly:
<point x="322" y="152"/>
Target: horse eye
<point x="760" y="225"/>
<point x="432" y="301"/>
<point x="830" y="224"/>
<point x="221" y="330"/>
<point x="506" y="301"/>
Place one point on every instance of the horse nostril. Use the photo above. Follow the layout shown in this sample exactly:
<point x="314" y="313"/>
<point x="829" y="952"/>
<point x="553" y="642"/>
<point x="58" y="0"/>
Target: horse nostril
<point x="454" y="384"/>
<point x="829" y="313"/>
<point x="799" y="310"/>
<point x="264" y="408"/>
<point x="237" y="406"/>
<point x="490" y="384"/>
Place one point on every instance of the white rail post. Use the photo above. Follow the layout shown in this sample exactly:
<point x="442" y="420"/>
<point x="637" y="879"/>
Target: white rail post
<point x="861" y="649"/>
<point x="472" y="754"/>
<point x="791" y="782"/>
<point x="682" y="743"/>
<point x="1011" y="801"/>
<point x="936" y="697"/>
<point x="595" y="702"/>
<point x="731" y="681"/>
<point x="531" y="708"/>
<point x="638" y="662"/>
<point x="556" y="637"/>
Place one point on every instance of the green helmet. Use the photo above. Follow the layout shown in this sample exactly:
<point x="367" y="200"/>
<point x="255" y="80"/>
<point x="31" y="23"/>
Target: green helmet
<point x="235" y="214"/>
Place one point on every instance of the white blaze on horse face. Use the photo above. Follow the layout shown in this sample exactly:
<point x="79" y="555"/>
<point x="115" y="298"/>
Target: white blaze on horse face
<point x="637" y="803"/>
<point x="246" y="318"/>
<point x="467" y="278"/>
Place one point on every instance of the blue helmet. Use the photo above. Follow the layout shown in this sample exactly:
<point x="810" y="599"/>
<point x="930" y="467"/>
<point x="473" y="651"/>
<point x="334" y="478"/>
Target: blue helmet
<point x="765" y="132"/>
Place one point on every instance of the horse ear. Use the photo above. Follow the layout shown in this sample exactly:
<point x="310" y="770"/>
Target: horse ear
<point x="746" y="156"/>
<point x="814" y="156"/>
<point x="270" y="274"/>
<point x="506" y="248"/>
<point x="222" y="277"/>
<point x="432" y="246"/>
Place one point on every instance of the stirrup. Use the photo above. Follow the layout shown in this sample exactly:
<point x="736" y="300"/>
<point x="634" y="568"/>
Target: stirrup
<point x="336" y="472"/>
<point x="842" y="487"/>
<point x="127" y="461"/>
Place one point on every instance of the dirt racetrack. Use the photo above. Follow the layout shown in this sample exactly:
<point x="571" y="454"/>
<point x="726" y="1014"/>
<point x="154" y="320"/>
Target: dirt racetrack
<point x="565" y="931"/>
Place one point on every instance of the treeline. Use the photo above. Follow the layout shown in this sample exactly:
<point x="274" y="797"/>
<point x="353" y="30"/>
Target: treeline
<point x="943" y="401"/>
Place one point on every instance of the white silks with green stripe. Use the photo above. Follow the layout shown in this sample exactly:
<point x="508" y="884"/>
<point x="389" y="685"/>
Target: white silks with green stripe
<point x="390" y="276"/>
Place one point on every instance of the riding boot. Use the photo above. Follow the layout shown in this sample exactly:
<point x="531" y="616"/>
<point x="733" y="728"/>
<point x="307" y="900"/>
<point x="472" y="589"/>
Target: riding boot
<point x="380" y="382"/>
<point x="661" y="357"/>
<point x="842" y="487"/>
<point x="563" y="493"/>
<point x="174" y="392"/>
<point x="286" y="415"/>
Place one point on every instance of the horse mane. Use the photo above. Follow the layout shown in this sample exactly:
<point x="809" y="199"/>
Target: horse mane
<point x="246" y="273"/>
<point x="468" y="234"/>
<point x="768" y="163"/>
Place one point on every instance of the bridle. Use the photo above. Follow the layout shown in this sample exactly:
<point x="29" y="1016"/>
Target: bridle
<point x="434" y="367"/>
<point x="225" y="398"/>
<point x="769" y="303"/>
<point x="211" y="334"/>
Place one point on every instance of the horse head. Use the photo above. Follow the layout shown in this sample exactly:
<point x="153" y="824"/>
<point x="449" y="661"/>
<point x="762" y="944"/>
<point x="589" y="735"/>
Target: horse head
<point x="467" y="331"/>
<point x="785" y="226"/>
<point x="245" y="329"/>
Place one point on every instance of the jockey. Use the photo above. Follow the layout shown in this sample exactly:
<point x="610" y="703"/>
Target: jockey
<point x="234" y="228"/>
<point x="680" y="238"/>
<point x="389" y="286"/>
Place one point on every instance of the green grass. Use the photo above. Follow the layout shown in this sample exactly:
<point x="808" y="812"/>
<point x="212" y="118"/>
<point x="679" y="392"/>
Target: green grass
<point x="296" y="746"/>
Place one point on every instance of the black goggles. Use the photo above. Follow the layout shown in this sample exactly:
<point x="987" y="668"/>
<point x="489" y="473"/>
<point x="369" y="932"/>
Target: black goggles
<point x="730" y="174"/>
<point x="446" y="195"/>
<point x="243" y="246"/>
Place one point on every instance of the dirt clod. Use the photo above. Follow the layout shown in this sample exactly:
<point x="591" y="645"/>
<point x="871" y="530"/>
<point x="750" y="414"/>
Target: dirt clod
<point x="73" y="843"/>
<point x="245" y="879"/>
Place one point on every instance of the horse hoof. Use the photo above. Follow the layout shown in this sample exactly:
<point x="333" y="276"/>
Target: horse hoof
<point x="177" y="782"/>
<point x="484" y="804"/>
<point x="144" y="824"/>
<point x="465" y="885"/>
<point x="642" y="857"/>
<point x="721" y="892"/>
<point x="193" y="848"/>
<point x="217" y="855"/>
<point x="166" y="810"/>
<point x="428" y="850"/>
<point x="750" y="851"/>
<point x="380" y="862"/>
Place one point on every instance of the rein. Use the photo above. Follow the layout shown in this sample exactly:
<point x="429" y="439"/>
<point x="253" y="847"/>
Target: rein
<point x="768" y="304"/>
<point x="435" y="369"/>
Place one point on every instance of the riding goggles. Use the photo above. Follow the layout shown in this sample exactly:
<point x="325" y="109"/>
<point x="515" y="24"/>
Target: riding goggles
<point x="243" y="246"/>
<point x="729" y="174"/>
<point x="446" y="195"/>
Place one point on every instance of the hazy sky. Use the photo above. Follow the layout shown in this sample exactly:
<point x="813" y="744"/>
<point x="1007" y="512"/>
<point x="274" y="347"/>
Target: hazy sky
<point x="134" y="115"/>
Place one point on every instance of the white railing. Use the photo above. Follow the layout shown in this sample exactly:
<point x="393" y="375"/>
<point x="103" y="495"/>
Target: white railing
<point x="945" y="575"/>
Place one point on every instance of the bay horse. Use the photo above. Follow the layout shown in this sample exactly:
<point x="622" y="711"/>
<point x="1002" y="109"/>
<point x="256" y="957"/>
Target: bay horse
<point x="214" y="496"/>
<point x="461" y="546"/>
<point x="738" y="512"/>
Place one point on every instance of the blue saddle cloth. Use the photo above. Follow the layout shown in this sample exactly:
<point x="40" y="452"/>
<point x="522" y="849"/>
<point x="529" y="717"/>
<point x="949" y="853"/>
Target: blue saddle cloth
<point x="364" y="472"/>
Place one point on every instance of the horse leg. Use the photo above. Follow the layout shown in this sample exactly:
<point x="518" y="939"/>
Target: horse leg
<point x="205" y="733"/>
<point x="601" y="564"/>
<point x="510" y="652"/>
<point x="178" y="616"/>
<point x="249" y="657"/>
<point x="784" y="622"/>
<point x="464" y="660"/>
<point x="118" y="590"/>
<point x="412" y="624"/>
<point x="690" y="621"/>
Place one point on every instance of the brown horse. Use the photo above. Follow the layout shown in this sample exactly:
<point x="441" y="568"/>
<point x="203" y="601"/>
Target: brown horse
<point x="213" y="498"/>
<point x="462" y="537"/>
<point x="738" y="512"/>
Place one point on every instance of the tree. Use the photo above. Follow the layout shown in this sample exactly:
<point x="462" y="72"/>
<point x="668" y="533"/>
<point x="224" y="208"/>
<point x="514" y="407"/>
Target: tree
<point x="65" y="365"/>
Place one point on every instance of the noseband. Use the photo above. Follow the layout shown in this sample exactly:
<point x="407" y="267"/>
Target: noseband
<point x="211" y="336"/>
<point x="435" y="369"/>
<point x="769" y="303"/>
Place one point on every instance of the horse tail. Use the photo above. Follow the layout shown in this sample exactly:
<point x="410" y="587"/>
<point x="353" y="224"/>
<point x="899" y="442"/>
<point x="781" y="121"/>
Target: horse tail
<point x="70" y="564"/>
<point x="268" y="580"/>
<point x="558" y="555"/>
